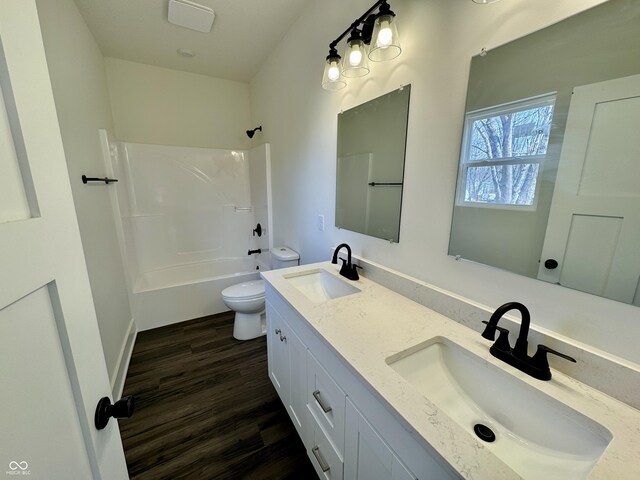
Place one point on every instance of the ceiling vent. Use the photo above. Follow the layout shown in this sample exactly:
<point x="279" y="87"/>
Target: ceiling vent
<point x="191" y="15"/>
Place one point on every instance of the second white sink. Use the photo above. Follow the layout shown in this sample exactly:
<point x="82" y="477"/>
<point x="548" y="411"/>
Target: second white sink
<point x="318" y="285"/>
<point x="536" y="435"/>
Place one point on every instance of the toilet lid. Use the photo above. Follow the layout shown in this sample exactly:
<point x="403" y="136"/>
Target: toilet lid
<point x="245" y="290"/>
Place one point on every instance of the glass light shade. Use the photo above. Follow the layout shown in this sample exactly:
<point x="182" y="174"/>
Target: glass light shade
<point x="332" y="78"/>
<point x="355" y="63"/>
<point x="484" y="2"/>
<point x="385" y="43"/>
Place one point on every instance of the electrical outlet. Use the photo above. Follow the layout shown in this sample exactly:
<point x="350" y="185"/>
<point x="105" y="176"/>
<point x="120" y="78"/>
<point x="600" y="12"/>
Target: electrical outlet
<point x="321" y="223"/>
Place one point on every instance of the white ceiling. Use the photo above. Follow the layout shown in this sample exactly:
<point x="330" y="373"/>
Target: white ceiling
<point x="244" y="33"/>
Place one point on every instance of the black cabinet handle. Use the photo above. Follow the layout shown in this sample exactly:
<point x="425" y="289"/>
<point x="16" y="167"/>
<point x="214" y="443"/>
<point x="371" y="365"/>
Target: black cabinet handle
<point x="550" y="264"/>
<point x="123" y="408"/>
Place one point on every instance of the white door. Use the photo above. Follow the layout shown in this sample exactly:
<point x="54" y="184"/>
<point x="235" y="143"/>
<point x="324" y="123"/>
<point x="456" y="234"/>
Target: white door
<point x="52" y="367"/>
<point x="593" y="231"/>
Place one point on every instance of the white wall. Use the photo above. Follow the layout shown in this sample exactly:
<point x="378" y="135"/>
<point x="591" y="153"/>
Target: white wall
<point x="167" y="107"/>
<point x="79" y="86"/>
<point x="300" y="121"/>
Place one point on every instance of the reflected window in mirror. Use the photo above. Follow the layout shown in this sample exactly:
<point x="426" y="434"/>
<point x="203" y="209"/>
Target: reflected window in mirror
<point x="503" y="153"/>
<point x="548" y="183"/>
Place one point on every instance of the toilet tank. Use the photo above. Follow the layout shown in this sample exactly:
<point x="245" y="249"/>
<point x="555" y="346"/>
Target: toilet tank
<point x="283" y="257"/>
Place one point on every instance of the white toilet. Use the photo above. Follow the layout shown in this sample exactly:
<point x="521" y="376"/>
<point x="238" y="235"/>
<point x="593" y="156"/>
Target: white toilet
<point x="247" y="298"/>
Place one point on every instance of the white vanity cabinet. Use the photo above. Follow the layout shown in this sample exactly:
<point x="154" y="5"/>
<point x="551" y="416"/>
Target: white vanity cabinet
<point x="327" y="402"/>
<point x="326" y="417"/>
<point x="346" y="428"/>
<point x="367" y="455"/>
<point x="287" y="357"/>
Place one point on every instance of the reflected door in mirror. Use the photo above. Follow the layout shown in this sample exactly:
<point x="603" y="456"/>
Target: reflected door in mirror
<point x="594" y="223"/>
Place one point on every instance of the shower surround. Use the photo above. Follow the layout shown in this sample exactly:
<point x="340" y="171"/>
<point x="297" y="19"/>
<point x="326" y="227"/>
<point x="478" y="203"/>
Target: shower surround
<point x="186" y="224"/>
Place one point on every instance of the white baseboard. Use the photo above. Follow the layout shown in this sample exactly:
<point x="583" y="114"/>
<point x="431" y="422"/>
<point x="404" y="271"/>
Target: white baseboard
<point x="120" y="372"/>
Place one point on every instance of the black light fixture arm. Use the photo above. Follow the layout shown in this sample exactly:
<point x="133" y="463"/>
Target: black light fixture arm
<point x="380" y="3"/>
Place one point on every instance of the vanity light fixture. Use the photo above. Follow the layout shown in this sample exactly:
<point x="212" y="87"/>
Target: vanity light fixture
<point x="385" y="44"/>
<point x="484" y="2"/>
<point x="355" y="63"/>
<point x="373" y="36"/>
<point x="332" y="77"/>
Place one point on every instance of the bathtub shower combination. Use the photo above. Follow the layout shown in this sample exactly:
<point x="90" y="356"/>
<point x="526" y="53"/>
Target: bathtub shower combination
<point x="187" y="223"/>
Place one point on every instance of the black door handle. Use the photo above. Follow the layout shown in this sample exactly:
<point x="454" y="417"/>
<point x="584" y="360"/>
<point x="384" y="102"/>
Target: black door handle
<point x="550" y="264"/>
<point x="123" y="408"/>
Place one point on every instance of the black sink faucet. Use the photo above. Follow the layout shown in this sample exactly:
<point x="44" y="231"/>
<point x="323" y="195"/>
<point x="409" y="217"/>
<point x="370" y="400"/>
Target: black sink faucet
<point x="536" y="366"/>
<point x="520" y="350"/>
<point x="348" y="270"/>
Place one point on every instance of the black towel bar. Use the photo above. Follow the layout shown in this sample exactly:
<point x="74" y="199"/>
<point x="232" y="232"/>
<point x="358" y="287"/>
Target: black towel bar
<point x="385" y="184"/>
<point x="106" y="180"/>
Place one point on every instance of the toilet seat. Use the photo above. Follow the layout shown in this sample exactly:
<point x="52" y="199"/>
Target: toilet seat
<point x="245" y="291"/>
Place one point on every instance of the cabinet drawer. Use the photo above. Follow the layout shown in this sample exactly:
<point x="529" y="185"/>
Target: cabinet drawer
<point x="326" y="402"/>
<point x="324" y="457"/>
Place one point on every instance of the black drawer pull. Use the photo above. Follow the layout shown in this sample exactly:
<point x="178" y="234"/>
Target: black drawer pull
<point x="321" y="461"/>
<point x="325" y="408"/>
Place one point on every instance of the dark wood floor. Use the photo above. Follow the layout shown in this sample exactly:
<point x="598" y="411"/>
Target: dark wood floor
<point x="206" y="409"/>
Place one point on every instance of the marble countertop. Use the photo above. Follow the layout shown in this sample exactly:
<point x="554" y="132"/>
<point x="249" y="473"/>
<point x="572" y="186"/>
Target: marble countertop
<point x="385" y="323"/>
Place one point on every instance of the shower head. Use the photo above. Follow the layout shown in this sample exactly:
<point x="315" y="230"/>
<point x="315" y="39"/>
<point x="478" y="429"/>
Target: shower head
<point x="251" y="133"/>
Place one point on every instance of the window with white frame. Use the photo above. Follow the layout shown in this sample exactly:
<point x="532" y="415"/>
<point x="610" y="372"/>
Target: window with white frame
<point x="503" y="151"/>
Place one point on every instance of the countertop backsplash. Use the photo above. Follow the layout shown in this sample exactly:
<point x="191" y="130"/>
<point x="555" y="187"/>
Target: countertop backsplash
<point x="614" y="376"/>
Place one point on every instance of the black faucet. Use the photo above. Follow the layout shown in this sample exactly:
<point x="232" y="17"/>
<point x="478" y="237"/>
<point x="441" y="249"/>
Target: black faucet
<point x="347" y="270"/>
<point x="520" y="350"/>
<point x="536" y="366"/>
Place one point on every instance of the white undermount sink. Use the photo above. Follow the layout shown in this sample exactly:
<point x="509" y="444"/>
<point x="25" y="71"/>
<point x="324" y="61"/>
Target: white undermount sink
<point x="318" y="285"/>
<point x="536" y="435"/>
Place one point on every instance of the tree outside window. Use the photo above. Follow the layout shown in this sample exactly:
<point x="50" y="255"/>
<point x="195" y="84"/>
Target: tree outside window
<point x="503" y="151"/>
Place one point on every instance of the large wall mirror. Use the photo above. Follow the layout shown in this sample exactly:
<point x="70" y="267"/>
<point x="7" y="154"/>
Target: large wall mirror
<point x="549" y="173"/>
<point x="370" y="165"/>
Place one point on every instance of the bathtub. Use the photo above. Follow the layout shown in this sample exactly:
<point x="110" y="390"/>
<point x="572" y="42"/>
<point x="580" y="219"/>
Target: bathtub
<point x="185" y="220"/>
<point x="183" y="292"/>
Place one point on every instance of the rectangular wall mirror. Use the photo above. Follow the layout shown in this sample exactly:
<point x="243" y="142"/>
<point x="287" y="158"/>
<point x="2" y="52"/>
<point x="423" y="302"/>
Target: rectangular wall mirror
<point x="370" y="165"/>
<point x="549" y="173"/>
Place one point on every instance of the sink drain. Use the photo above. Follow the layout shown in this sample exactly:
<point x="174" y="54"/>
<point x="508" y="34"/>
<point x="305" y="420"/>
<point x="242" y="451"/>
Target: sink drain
<point x="484" y="433"/>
